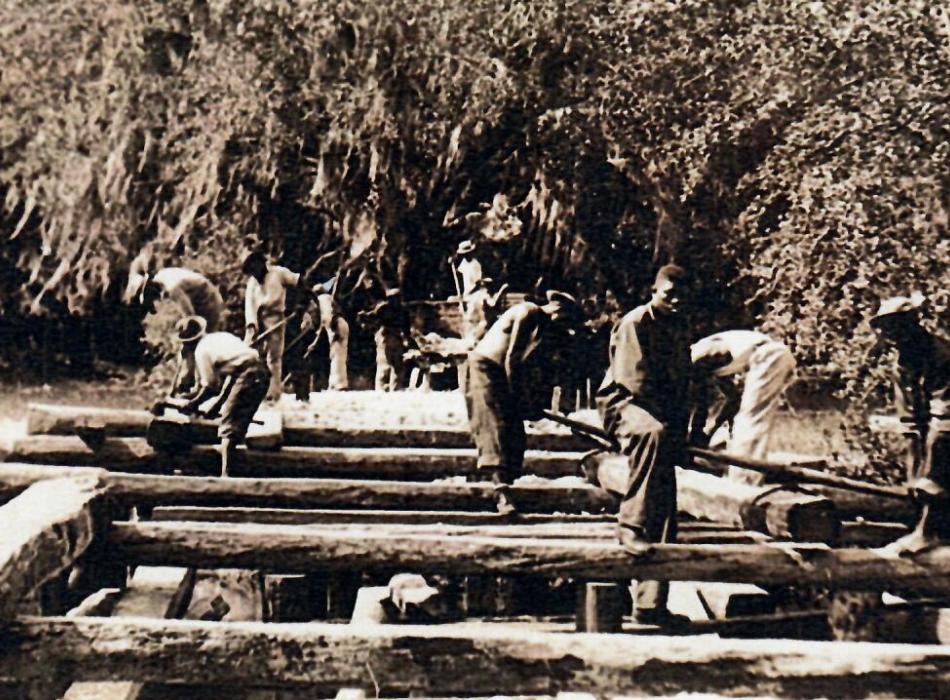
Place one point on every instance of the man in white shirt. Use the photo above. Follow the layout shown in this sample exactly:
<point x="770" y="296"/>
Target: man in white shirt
<point x="768" y="366"/>
<point x="265" y="304"/>
<point x="468" y="267"/>
<point x="227" y="368"/>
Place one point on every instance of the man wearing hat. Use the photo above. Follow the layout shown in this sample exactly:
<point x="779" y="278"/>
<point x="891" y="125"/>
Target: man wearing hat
<point x="265" y="303"/>
<point x="468" y="266"/>
<point x="644" y="403"/>
<point x="766" y="366"/>
<point x="922" y="392"/>
<point x="194" y="293"/>
<point x="227" y="368"/>
<point x="510" y="381"/>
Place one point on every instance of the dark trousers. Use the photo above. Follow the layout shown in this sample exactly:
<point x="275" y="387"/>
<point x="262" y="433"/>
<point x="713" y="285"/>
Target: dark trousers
<point x="649" y="501"/>
<point x="495" y="418"/>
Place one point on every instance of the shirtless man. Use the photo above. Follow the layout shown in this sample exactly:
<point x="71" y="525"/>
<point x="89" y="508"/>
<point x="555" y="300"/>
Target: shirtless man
<point x="768" y="368"/>
<point x="194" y="293"/>
<point x="509" y="381"/>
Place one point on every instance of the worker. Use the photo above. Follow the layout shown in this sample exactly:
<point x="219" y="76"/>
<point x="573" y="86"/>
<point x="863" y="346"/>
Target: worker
<point x="768" y="367"/>
<point x="227" y="368"/>
<point x="922" y="392"/>
<point x="194" y="293"/>
<point x="392" y="329"/>
<point x="468" y="267"/>
<point x="265" y="311"/>
<point x="337" y="330"/>
<point x="643" y="401"/>
<point x="509" y="381"/>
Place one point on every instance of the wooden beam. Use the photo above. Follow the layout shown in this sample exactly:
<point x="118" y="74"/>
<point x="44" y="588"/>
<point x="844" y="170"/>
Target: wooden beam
<point x="300" y="429"/>
<point x="781" y="514"/>
<point x="153" y="592"/>
<point x="147" y="489"/>
<point x="136" y="455"/>
<point x="299" y="516"/>
<point x="432" y="661"/>
<point x="290" y="549"/>
<point x="45" y="529"/>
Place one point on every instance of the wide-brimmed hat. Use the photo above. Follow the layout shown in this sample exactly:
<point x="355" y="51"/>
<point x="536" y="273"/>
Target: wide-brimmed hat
<point x="255" y="256"/>
<point x="465" y="247"/>
<point x="191" y="329"/>
<point x="894" y="306"/>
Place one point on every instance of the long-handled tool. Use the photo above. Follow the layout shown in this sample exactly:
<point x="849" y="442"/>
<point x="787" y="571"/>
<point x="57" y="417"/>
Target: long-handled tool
<point x="783" y="472"/>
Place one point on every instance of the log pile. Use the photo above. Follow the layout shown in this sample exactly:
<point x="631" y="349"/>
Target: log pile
<point x="323" y="518"/>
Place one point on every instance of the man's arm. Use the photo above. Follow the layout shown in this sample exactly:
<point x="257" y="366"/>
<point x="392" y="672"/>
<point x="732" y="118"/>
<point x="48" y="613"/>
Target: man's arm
<point x="250" y="311"/>
<point x="215" y="409"/>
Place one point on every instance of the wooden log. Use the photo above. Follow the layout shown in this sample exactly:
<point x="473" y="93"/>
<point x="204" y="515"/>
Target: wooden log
<point x="300" y="430"/>
<point x="153" y="592"/>
<point x="146" y="489"/>
<point x="870" y="534"/>
<point x="299" y="549"/>
<point x="45" y="529"/>
<point x="435" y="661"/>
<point x="298" y="516"/>
<point x="781" y="514"/>
<point x="136" y="455"/>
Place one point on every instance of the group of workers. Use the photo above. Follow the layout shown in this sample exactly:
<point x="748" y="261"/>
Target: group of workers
<point x="655" y="400"/>
<point x="661" y="392"/>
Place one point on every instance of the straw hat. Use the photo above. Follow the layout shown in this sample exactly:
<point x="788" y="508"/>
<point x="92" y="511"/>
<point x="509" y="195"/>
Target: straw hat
<point x="191" y="329"/>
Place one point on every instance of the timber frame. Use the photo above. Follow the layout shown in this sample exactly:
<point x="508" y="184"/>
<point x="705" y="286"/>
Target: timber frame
<point x="54" y="522"/>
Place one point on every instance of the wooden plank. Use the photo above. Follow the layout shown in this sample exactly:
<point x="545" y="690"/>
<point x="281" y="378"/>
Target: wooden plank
<point x="300" y="429"/>
<point x="147" y="489"/>
<point x="45" y="529"/>
<point x="136" y="455"/>
<point x="290" y="549"/>
<point x="434" y="661"/>
<point x="153" y="592"/>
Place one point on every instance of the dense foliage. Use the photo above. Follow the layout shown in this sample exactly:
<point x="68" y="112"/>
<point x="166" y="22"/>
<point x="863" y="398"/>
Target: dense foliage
<point x="795" y="154"/>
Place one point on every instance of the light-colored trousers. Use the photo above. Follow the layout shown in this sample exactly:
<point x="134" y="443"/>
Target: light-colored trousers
<point x="273" y="352"/>
<point x="338" y="335"/>
<point x="771" y="370"/>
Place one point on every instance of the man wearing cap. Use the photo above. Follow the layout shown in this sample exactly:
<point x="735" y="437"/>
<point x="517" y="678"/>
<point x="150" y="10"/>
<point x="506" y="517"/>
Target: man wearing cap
<point x="922" y="392"/>
<point x="767" y="366"/>
<point x="265" y="303"/>
<point x="227" y="368"/>
<point x="510" y="381"/>
<point x="194" y="293"/>
<point x="644" y="403"/>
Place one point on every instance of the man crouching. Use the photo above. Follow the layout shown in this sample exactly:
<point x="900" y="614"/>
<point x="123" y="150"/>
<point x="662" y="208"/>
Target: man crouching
<point x="224" y="366"/>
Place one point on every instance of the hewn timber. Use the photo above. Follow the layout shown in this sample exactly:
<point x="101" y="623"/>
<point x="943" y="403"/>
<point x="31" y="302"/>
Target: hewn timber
<point x="147" y="489"/>
<point x="300" y="430"/>
<point x="45" y="529"/>
<point x="131" y="454"/>
<point x="785" y="515"/>
<point x="433" y="661"/>
<point x="301" y="516"/>
<point x="522" y="527"/>
<point x="290" y="549"/>
<point x="153" y="592"/>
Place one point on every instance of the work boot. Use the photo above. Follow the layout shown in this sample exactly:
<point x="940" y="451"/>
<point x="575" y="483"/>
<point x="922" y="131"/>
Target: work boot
<point x="660" y="617"/>
<point x="632" y="539"/>
<point x="503" y="501"/>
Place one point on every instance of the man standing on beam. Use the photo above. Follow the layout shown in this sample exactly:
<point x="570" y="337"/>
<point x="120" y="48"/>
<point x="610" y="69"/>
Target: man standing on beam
<point x="644" y="403"/>
<point x="922" y="392"/>
<point x="768" y="366"/>
<point x="227" y="368"/>
<point x="510" y="380"/>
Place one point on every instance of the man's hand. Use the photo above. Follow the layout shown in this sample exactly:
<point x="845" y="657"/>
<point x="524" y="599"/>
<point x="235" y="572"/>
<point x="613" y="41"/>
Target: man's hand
<point x="249" y="333"/>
